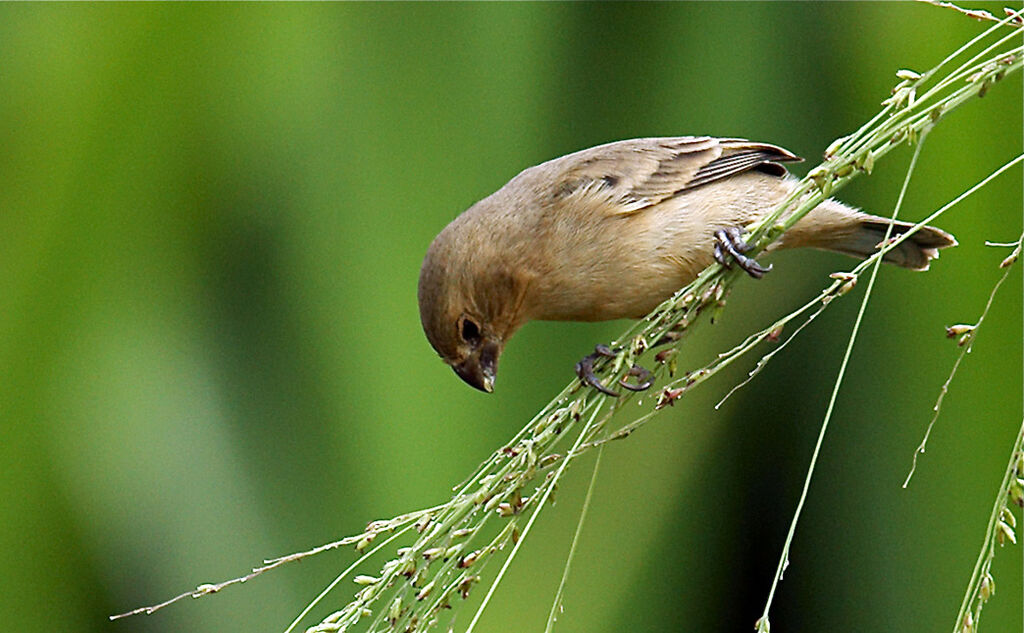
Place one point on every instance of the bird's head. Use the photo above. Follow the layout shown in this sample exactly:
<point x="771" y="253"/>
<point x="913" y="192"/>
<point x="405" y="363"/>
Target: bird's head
<point x="470" y="304"/>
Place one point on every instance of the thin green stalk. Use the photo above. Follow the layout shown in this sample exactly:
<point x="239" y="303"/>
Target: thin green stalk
<point x="556" y="604"/>
<point x="342" y="576"/>
<point x="533" y="517"/>
<point x="784" y="557"/>
<point x="966" y="344"/>
<point x="999" y="522"/>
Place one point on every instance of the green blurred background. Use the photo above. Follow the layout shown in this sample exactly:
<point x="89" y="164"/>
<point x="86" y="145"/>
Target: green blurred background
<point x="213" y="218"/>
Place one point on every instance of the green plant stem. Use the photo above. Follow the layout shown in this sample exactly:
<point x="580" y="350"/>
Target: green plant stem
<point x="988" y="545"/>
<point x="343" y="575"/>
<point x="529" y="524"/>
<point x="784" y="557"/>
<point x="965" y="349"/>
<point x="557" y="602"/>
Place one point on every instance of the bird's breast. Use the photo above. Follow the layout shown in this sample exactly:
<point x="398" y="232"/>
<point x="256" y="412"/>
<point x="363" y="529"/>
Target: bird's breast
<point x="622" y="266"/>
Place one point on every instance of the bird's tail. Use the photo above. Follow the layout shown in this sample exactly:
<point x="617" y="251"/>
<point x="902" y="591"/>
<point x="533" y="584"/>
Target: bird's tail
<point x="836" y="227"/>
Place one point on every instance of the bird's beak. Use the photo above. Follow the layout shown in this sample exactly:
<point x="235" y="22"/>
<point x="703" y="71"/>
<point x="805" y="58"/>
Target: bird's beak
<point x="480" y="368"/>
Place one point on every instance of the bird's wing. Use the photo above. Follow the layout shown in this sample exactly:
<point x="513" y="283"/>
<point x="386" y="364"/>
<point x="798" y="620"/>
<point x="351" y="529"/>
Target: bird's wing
<point x="628" y="176"/>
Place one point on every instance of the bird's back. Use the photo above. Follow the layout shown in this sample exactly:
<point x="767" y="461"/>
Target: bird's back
<point x="621" y="227"/>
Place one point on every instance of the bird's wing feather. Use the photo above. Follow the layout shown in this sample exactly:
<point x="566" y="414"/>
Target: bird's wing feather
<point x="628" y="176"/>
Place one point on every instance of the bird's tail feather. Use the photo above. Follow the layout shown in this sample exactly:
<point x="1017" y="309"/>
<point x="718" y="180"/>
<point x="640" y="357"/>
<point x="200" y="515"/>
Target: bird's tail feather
<point x="852" y="232"/>
<point x="915" y="252"/>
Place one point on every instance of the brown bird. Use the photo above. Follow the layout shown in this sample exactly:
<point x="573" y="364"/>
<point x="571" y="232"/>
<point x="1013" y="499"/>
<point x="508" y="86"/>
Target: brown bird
<point x="614" y="230"/>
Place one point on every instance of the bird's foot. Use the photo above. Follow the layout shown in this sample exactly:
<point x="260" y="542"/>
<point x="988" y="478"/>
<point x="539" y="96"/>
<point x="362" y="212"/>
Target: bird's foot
<point x="585" y="371"/>
<point x="729" y="246"/>
<point x="644" y="379"/>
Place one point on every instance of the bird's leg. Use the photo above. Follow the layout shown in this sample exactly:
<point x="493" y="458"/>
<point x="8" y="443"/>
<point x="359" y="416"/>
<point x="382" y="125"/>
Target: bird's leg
<point x="729" y="245"/>
<point x="585" y="371"/>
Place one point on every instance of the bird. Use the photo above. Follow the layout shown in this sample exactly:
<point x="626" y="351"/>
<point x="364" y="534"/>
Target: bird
<point x="612" y="231"/>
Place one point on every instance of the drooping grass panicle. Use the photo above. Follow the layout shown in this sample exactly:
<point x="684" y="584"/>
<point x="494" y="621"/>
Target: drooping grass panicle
<point x="965" y="335"/>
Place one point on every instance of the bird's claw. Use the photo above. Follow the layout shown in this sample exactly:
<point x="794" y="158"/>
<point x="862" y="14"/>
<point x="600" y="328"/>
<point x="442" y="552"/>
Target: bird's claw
<point x="729" y="247"/>
<point x="644" y="379"/>
<point x="585" y="371"/>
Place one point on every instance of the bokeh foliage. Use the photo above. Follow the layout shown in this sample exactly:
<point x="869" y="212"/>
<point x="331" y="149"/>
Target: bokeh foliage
<point x="213" y="218"/>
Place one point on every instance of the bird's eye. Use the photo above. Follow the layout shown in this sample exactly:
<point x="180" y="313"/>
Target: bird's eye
<point x="470" y="331"/>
